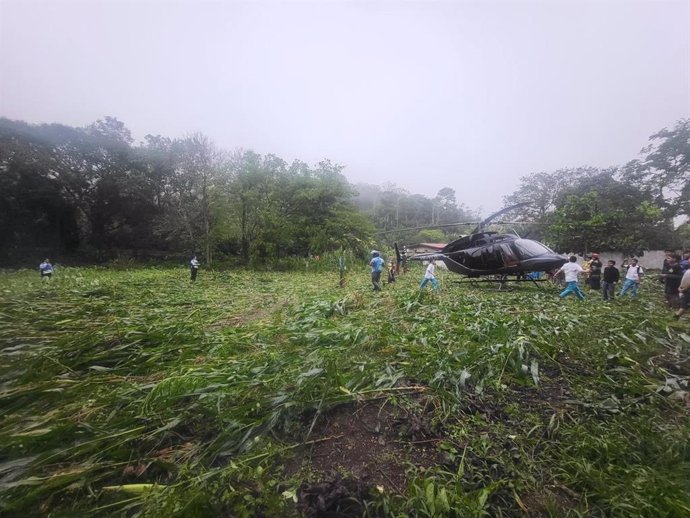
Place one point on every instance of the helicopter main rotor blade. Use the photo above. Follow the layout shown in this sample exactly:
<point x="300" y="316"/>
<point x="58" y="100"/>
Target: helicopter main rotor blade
<point x="502" y="211"/>
<point x="458" y="224"/>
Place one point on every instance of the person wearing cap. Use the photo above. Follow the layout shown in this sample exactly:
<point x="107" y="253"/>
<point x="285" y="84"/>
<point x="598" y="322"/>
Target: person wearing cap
<point x="633" y="278"/>
<point x="595" y="272"/>
<point x="376" y="264"/>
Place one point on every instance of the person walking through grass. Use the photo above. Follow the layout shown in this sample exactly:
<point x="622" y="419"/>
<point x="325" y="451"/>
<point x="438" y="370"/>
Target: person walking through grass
<point x="429" y="276"/>
<point x="633" y="278"/>
<point x="376" y="264"/>
<point x="571" y="270"/>
<point x="610" y="278"/>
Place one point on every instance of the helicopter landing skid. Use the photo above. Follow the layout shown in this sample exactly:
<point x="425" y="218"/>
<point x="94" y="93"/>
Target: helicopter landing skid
<point x="502" y="281"/>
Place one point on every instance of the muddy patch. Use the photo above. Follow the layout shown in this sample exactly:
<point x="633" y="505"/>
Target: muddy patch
<point x="374" y="444"/>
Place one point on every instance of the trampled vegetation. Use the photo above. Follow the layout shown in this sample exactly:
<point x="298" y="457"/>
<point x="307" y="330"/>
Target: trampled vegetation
<point x="275" y="394"/>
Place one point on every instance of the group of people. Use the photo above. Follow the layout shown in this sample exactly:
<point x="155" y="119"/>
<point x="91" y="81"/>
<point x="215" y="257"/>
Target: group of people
<point x="600" y="279"/>
<point x="377" y="263"/>
<point x="675" y="275"/>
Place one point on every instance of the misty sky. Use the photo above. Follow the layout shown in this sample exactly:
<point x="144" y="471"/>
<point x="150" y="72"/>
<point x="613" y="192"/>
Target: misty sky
<point x="426" y="94"/>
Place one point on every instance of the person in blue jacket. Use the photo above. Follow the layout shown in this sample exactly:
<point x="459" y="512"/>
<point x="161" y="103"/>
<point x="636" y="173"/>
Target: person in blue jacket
<point x="376" y="264"/>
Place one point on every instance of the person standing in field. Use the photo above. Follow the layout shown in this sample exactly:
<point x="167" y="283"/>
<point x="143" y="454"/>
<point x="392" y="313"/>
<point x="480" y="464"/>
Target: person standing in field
<point x="376" y="264"/>
<point x="633" y="278"/>
<point x="46" y="270"/>
<point x="586" y="265"/>
<point x="595" y="272"/>
<point x="671" y="279"/>
<point x="391" y="271"/>
<point x="571" y="270"/>
<point x="194" y="268"/>
<point x="611" y="277"/>
<point x="684" y="294"/>
<point x="429" y="276"/>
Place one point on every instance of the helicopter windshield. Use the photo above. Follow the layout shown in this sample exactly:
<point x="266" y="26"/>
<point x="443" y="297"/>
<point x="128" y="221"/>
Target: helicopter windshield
<point x="527" y="248"/>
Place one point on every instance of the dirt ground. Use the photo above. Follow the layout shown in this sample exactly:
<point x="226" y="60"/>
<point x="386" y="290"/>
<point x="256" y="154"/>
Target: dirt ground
<point x="360" y="449"/>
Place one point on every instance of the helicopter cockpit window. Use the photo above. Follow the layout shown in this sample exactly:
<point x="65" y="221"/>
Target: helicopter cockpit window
<point x="526" y="248"/>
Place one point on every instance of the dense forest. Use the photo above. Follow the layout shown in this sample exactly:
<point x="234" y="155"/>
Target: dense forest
<point x="92" y="194"/>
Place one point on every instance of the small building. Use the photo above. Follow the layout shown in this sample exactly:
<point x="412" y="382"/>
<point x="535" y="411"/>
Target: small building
<point x="425" y="248"/>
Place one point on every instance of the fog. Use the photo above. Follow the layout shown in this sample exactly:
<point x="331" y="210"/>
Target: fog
<point x="426" y="95"/>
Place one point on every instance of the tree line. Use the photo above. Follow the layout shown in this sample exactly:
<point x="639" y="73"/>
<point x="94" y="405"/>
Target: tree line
<point x="89" y="193"/>
<point x="629" y="208"/>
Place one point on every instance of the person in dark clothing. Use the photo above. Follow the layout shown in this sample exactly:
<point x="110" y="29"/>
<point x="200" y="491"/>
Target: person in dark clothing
<point x="611" y="277"/>
<point x="194" y="268"/>
<point x="667" y="257"/>
<point x="672" y="276"/>
<point x="595" y="272"/>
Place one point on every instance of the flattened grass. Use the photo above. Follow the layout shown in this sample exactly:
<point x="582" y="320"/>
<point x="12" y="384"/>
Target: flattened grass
<point x="125" y="392"/>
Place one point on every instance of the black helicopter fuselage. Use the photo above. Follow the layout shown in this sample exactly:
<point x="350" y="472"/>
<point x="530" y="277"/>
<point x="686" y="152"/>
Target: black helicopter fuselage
<point x="490" y="253"/>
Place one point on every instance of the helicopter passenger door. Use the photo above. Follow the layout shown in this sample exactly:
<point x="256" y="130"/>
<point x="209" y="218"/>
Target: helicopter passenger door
<point x="509" y="257"/>
<point x="491" y="257"/>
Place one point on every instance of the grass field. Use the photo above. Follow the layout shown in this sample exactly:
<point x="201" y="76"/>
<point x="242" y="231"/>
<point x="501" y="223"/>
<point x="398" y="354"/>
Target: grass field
<point x="133" y="392"/>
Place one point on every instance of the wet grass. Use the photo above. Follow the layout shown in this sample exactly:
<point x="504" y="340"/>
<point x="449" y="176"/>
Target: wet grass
<point x="137" y="393"/>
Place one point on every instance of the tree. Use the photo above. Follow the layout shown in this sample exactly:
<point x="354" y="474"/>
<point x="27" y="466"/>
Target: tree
<point x="664" y="171"/>
<point x="602" y="213"/>
<point x="542" y="190"/>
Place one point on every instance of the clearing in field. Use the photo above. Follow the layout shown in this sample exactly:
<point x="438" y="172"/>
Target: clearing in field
<point x="126" y="393"/>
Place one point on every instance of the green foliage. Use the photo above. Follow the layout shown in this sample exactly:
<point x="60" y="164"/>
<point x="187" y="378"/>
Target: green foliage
<point x="131" y="392"/>
<point x="90" y="192"/>
<point x="664" y="171"/>
<point x="601" y="213"/>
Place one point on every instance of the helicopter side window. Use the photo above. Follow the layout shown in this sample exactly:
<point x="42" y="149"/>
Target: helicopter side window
<point x="474" y="259"/>
<point x="527" y="248"/>
<point x="509" y="256"/>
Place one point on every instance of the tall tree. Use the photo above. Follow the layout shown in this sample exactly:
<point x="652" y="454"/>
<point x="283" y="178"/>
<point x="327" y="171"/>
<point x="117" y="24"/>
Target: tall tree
<point x="664" y="170"/>
<point x="603" y="213"/>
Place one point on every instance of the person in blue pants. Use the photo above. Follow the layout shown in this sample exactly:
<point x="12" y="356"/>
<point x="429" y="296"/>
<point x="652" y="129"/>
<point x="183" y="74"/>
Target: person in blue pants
<point x="429" y="276"/>
<point x="571" y="270"/>
<point x="633" y="278"/>
<point x="376" y="264"/>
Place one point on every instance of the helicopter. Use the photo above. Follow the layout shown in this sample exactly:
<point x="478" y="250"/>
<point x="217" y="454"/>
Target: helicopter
<point x="484" y="253"/>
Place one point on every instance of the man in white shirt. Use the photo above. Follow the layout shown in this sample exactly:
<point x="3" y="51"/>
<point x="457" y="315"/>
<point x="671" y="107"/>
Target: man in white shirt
<point x="429" y="276"/>
<point x="571" y="270"/>
<point x="633" y="277"/>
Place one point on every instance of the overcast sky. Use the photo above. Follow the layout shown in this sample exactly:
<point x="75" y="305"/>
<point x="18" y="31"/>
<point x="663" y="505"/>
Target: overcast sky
<point x="426" y="94"/>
